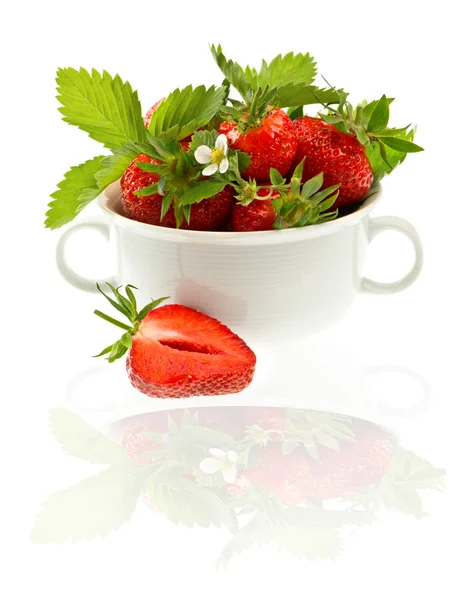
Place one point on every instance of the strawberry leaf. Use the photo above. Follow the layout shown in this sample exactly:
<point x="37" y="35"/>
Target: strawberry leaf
<point x="233" y="72"/>
<point x="184" y="501"/>
<point x="199" y="190"/>
<point x="78" y="188"/>
<point x="285" y="70"/>
<point x="79" y="439"/>
<point x="379" y="116"/>
<point x="104" y="106"/>
<point x="116" y="164"/>
<point x="203" y="138"/>
<point x="185" y="111"/>
<point x="296" y="94"/>
<point x="91" y="508"/>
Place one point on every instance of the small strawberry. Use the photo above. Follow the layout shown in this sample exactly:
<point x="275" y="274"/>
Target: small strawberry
<point x="177" y="352"/>
<point x="340" y="156"/>
<point x="270" y="142"/>
<point x="259" y="215"/>
<point x="207" y="215"/>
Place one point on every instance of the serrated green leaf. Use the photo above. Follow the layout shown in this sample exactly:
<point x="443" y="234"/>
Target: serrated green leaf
<point x="379" y="116"/>
<point x="115" y="165"/>
<point x="92" y="508"/>
<point x="199" y="190"/>
<point x="401" y="145"/>
<point x="79" y="439"/>
<point x="184" y="501"/>
<point x="184" y="111"/>
<point x="203" y="138"/>
<point x="233" y="72"/>
<point x="104" y="106"/>
<point x="296" y="94"/>
<point x="78" y="188"/>
<point x="286" y="70"/>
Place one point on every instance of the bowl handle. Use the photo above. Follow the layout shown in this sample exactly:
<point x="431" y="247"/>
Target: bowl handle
<point x="71" y="276"/>
<point x="380" y="224"/>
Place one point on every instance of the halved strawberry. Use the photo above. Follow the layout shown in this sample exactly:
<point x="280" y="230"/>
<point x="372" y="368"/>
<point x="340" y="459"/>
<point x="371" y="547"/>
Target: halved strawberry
<point x="176" y="351"/>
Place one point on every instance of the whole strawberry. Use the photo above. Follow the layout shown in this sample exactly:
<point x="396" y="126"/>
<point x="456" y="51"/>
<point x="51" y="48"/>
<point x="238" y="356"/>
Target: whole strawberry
<point x="177" y="352"/>
<point x="207" y="215"/>
<point x="271" y="143"/>
<point x="338" y="155"/>
<point x="259" y="215"/>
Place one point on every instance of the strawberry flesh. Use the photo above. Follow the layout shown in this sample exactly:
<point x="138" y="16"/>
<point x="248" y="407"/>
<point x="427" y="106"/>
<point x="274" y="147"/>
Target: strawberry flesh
<point x="179" y="352"/>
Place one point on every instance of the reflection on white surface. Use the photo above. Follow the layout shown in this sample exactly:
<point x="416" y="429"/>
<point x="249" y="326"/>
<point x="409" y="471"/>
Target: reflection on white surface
<point x="295" y="479"/>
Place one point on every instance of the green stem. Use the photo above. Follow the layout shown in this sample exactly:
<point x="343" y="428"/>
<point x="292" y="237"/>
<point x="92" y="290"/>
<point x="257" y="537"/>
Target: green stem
<point x="112" y="320"/>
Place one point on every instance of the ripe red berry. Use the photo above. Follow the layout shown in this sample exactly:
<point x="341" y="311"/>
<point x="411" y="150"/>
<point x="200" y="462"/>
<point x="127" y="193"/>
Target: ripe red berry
<point x="270" y="144"/>
<point x="340" y="157"/>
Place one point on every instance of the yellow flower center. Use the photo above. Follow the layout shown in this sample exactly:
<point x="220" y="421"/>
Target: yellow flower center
<point x="217" y="156"/>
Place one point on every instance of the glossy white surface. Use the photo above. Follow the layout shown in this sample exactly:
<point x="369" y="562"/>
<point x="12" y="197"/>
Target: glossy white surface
<point x="49" y="332"/>
<point x="263" y="285"/>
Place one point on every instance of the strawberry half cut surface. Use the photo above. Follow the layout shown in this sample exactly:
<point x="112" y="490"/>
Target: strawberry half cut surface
<point x="177" y="352"/>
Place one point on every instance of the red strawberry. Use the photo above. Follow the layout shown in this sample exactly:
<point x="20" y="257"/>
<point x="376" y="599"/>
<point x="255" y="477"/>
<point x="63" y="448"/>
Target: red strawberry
<point x="358" y="463"/>
<point x="340" y="157"/>
<point x="296" y="476"/>
<point x="177" y="352"/>
<point x="259" y="215"/>
<point x="207" y="215"/>
<point x="270" y="144"/>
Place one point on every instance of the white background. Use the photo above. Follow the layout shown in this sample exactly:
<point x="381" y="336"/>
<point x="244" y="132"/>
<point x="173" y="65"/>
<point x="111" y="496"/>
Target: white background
<point x="407" y="50"/>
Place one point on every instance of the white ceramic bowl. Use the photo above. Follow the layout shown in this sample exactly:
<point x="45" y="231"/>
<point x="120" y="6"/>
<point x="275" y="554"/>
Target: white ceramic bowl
<point x="263" y="285"/>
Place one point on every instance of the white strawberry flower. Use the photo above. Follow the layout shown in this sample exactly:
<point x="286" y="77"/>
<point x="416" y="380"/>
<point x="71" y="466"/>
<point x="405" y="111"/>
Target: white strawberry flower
<point x="222" y="461"/>
<point x="216" y="158"/>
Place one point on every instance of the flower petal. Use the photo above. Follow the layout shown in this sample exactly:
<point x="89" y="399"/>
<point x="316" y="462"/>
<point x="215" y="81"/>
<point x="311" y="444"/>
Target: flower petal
<point x="232" y="456"/>
<point x="209" y="465"/>
<point x="222" y="143"/>
<point x="217" y="452"/>
<point x="203" y="154"/>
<point x="223" y="167"/>
<point x="210" y="169"/>
<point x="229" y="475"/>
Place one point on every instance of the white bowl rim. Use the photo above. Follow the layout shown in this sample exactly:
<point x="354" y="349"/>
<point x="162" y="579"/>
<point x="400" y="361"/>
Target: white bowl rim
<point x="110" y="198"/>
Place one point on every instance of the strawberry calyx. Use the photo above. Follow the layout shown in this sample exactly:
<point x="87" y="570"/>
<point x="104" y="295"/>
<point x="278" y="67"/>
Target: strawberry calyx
<point x="368" y="123"/>
<point x="296" y="204"/>
<point x="127" y="306"/>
